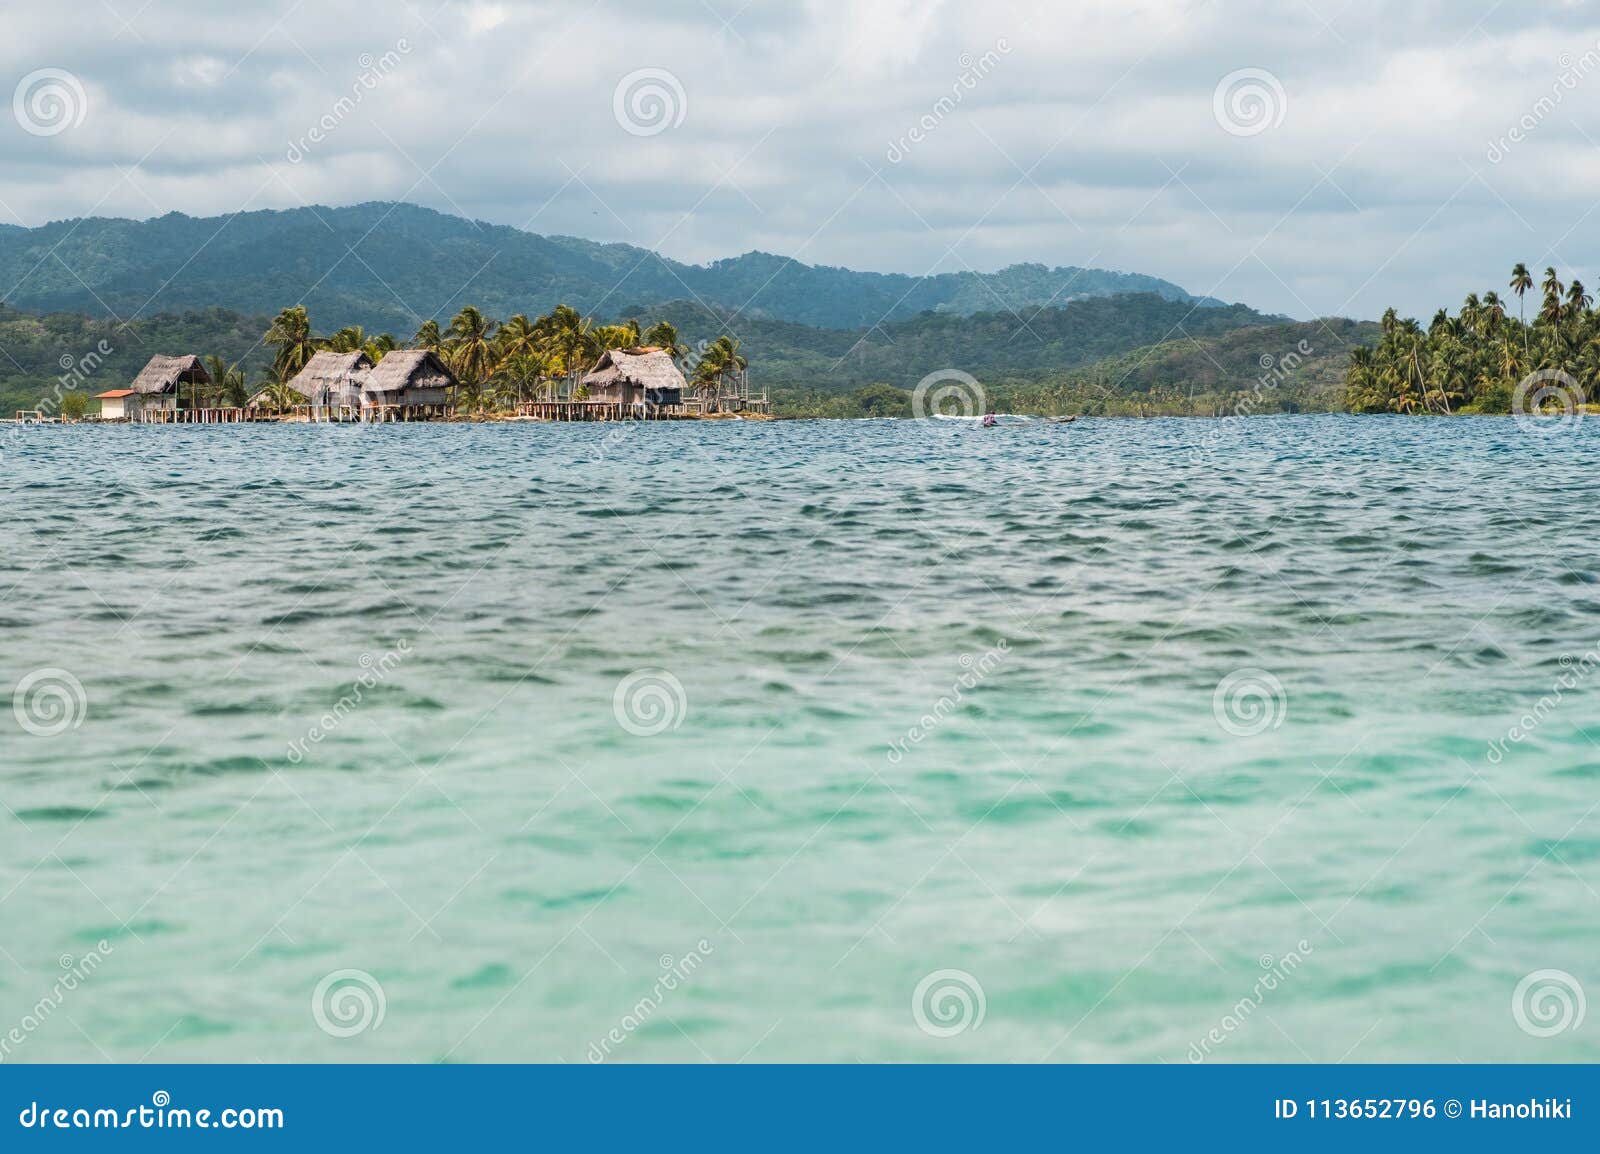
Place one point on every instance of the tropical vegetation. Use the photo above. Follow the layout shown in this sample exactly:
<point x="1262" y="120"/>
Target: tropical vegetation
<point x="499" y="364"/>
<point x="1477" y="360"/>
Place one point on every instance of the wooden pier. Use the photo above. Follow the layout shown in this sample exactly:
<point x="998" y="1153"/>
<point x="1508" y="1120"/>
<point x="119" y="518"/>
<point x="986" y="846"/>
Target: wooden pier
<point x="599" y="411"/>
<point x="369" y="414"/>
<point x="225" y="416"/>
<point x="303" y="414"/>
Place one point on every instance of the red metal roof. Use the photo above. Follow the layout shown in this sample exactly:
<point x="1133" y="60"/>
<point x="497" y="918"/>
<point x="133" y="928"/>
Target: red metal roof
<point x="113" y="393"/>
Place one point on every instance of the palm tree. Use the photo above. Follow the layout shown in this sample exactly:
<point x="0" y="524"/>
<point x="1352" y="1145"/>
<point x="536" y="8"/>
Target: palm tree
<point x="291" y="335"/>
<point x="623" y="336"/>
<point x="520" y="353"/>
<point x="228" y="380"/>
<point x="1521" y="282"/>
<point x="350" y="339"/>
<point x="518" y="335"/>
<point x="1494" y="311"/>
<point x="1588" y="367"/>
<point x="515" y="372"/>
<point x="571" y="340"/>
<point x="469" y="349"/>
<point x="280" y="397"/>
<point x="721" y="360"/>
<point x="429" y="336"/>
<point x="1360" y="382"/>
<point x="664" y="336"/>
<point x="1552" y="297"/>
<point x="735" y="359"/>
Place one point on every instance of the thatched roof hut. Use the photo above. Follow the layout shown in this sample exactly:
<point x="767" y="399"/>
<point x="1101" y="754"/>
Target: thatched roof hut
<point x="409" y="377"/>
<point x="331" y="378"/>
<point x="644" y="374"/>
<point x="165" y="374"/>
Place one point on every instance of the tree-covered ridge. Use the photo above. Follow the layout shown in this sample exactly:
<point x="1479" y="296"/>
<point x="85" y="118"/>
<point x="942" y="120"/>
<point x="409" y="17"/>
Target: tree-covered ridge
<point x="1272" y="368"/>
<point x="391" y="266"/>
<point x="1474" y="361"/>
<point x="992" y="346"/>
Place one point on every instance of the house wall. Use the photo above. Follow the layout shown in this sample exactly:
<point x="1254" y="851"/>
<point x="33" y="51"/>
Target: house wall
<point x="111" y="408"/>
<point x="422" y="397"/>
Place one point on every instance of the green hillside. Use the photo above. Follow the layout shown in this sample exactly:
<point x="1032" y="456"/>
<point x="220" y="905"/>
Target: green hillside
<point x="992" y="346"/>
<point x="41" y="358"/>
<point x="392" y="266"/>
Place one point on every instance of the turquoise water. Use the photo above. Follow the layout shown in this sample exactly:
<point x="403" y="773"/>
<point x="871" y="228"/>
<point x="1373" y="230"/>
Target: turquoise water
<point x="459" y="734"/>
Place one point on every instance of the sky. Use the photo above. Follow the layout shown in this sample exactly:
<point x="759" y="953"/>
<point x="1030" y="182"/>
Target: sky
<point x="1306" y="157"/>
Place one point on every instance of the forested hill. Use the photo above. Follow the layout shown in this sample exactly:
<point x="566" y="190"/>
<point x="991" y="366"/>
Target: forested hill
<point x="390" y="266"/>
<point x="991" y="345"/>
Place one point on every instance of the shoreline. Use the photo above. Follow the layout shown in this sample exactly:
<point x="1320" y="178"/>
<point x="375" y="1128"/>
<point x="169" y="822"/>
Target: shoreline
<point x="1007" y="419"/>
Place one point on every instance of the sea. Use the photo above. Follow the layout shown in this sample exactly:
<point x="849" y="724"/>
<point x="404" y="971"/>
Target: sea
<point x="1262" y="740"/>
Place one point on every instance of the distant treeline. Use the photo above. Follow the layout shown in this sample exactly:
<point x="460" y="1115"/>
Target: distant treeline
<point x="1475" y="361"/>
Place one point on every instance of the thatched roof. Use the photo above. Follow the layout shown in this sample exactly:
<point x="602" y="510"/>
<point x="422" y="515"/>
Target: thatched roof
<point x="646" y="366"/>
<point x="409" y="369"/>
<point x="164" y="373"/>
<point x="331" y="373"/>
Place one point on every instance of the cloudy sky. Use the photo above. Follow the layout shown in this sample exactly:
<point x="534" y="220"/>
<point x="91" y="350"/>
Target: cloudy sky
<point x="1303" y="156"/>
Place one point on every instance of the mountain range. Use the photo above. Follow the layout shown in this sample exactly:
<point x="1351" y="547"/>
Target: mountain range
<point x="389" y="266"/>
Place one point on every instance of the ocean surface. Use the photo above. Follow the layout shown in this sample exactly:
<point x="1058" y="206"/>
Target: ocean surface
<point x="1126" y="740"/>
